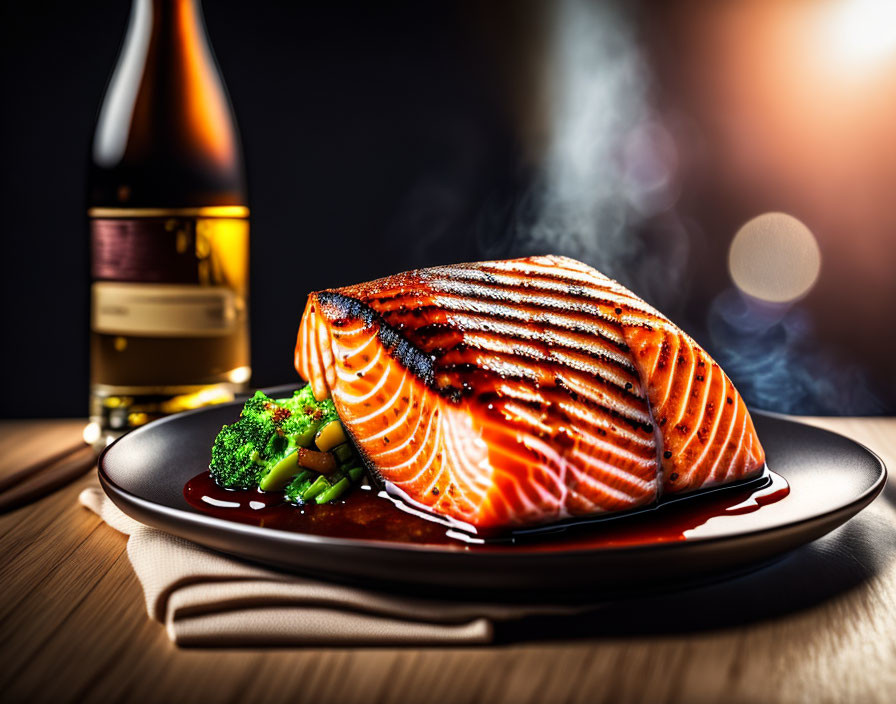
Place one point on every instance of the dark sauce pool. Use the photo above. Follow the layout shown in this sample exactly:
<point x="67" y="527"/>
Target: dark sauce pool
<point x="369" y="514"/>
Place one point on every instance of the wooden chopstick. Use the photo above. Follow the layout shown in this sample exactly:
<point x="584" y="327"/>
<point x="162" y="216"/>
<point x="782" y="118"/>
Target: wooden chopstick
<point x="47" y="476"/>
<point x="29" y="470"/>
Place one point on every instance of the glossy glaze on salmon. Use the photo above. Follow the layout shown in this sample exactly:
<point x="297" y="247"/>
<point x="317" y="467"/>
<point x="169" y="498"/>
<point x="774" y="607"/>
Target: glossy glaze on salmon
<point x="516" y="393"/>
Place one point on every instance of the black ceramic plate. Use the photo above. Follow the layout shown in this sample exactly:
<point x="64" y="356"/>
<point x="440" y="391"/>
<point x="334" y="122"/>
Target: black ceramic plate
<point x="831" y="479"/>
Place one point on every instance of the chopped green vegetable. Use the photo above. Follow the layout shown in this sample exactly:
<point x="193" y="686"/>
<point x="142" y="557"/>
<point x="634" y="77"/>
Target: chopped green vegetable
<point x="270" y="447"/>
<point x="321" y="488"/>
<point x="333" y="492"/>
<point x="237" y="455"/>
<point x="305" y="438"/>
<point x="267" y="431"/>
<point x="319" y="485"/>
<point x="281" y="474"/>
<point x="343" y="453"/>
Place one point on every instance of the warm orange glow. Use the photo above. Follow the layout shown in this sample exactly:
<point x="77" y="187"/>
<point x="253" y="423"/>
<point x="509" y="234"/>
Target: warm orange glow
<point x="784" y="126"/>
<point x="206" y="107"/>
<point x="860" y="33"/>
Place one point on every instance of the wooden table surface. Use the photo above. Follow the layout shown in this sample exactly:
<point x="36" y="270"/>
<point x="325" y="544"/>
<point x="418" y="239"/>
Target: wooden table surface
<point x="73" y="626"/>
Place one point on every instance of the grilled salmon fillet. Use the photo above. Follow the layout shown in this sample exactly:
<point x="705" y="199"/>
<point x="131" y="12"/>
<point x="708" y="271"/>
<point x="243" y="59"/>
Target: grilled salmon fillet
<point x="515" y="393"/>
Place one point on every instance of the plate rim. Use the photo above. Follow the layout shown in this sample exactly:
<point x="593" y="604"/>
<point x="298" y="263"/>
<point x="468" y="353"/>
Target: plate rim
<point x="482" y="552"/>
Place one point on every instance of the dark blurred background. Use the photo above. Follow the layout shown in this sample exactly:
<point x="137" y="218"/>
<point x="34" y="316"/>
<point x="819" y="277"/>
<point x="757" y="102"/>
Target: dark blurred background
<point x="733" y="163"/>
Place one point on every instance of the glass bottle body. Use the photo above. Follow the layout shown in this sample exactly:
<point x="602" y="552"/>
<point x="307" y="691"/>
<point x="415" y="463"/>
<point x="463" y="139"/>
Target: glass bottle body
<point x="169" y="229"/>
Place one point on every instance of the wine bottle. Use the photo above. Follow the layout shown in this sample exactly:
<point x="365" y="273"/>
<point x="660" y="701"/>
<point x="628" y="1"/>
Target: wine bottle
<point x="169" y="229"/>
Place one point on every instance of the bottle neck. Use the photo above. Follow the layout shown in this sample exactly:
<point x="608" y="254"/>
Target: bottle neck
<point x="182" y="49"/>
<point x="166" y="114"/>
<point x="179" y="20"/>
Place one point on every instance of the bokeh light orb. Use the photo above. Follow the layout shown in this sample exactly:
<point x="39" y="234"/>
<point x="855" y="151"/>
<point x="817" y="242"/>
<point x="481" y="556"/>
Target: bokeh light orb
<point x="774" y="257"/>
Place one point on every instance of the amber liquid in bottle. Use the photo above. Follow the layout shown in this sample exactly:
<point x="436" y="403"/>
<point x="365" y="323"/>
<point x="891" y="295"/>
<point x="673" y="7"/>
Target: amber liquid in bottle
<point x="169" y="228"/>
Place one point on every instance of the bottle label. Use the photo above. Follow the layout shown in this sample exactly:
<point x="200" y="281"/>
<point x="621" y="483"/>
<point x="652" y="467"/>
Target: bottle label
<point x="164" y="310"/>
<point x="175" y="249"/>
<point x="169" y="274"/>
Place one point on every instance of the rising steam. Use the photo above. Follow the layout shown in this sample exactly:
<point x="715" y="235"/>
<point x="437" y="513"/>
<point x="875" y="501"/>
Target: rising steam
<point x="610" y="164"/>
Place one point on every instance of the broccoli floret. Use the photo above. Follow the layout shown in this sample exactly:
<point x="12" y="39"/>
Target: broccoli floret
<point x="239" y="451"/>
<point x="267" y="430"/>
<point x="305" y="412"/>
<point x="256" y="405"/>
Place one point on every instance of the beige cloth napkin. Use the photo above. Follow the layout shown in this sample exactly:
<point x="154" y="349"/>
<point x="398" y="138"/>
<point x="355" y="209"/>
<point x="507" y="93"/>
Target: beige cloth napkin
<point x="205" y="598"/>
